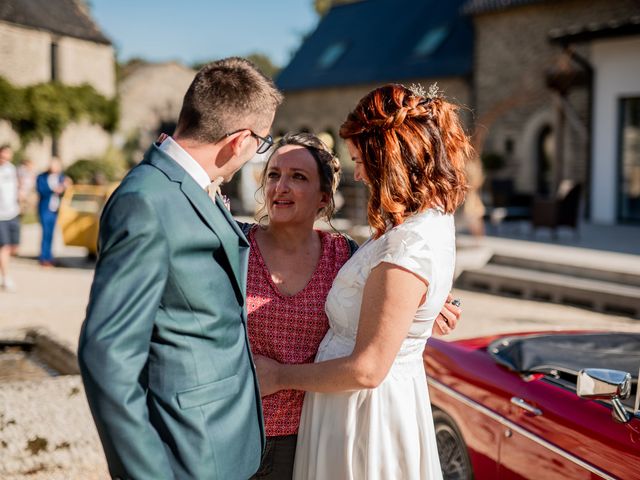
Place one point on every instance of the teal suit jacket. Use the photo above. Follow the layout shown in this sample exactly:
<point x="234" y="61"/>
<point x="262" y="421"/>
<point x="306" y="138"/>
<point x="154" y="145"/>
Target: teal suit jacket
<point x="163" y="350"/>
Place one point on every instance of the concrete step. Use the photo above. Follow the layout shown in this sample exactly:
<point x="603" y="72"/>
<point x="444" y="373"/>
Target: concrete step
<point x="599" y="295"/>
<point x="557" y="266"/>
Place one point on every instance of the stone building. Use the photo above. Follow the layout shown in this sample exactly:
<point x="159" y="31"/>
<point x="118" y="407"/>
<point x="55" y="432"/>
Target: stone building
<point x="360" y="45"/>
<point x="45" y="40"/>
<point x="551" y="81"/>
<point x="614" y="152"/>
<point x="150" y="99"/>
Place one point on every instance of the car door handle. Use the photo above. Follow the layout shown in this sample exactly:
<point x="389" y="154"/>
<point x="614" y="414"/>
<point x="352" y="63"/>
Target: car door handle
<point x="520" y="403"/>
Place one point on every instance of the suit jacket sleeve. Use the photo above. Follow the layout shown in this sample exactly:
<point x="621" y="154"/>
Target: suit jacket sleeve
<point x="130" y="277"/>
<point x="42" y="185"/>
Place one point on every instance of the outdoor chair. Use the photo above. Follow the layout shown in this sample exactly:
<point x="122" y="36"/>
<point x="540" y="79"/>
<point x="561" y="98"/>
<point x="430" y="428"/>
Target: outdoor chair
<point x="507" y="204"/>
<point x="561" y="211"/>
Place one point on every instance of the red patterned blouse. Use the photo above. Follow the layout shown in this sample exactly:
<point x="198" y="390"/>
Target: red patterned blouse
<point x="289" y="329"/>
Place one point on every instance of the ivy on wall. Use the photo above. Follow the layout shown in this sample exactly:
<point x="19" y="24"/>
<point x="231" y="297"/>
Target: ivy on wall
<point x="45" y="109"/>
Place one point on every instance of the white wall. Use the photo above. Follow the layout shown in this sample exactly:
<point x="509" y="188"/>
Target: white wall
<point x="616" y="64"/>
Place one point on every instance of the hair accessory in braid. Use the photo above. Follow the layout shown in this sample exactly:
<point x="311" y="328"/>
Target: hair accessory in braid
<point x="419" y="91"/>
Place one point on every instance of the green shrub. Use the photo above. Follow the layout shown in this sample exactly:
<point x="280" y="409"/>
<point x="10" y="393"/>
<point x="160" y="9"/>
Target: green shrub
<point x="45" y="109"/>
<point x="109" y="168"/>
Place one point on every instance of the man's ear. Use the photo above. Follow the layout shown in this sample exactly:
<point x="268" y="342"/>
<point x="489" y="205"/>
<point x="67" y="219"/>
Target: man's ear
<point x="237" y="141"/>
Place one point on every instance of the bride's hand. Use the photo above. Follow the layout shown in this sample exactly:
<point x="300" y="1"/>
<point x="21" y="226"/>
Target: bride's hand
<point x="267" y="370"/>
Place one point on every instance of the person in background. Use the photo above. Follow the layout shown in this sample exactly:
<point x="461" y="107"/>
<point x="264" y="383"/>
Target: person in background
<point x="50" y="186"/>
<point x="9" y="216"/>
<point x="26" y="187"/>
<point x="291" y="269"/>
<point x="473" y="208"/>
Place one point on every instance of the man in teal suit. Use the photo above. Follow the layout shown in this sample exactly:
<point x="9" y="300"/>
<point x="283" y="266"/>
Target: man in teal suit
<point x="163" y="350"/>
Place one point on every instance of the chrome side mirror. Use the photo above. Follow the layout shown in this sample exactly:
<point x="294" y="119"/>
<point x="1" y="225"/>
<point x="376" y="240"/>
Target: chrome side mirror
<point x="604" y="384"/>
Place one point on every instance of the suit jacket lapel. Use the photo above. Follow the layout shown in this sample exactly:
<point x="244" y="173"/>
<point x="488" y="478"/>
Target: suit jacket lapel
<point x="232" y="222"/>
<point x="215" y="215"/>
<point x="243" y="245"/>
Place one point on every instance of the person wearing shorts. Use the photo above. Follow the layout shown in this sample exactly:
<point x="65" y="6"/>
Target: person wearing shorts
<point x="9" y="216"/>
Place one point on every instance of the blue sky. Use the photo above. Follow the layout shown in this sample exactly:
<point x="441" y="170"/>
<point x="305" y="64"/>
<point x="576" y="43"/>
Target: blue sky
<point x="200" y="30"/>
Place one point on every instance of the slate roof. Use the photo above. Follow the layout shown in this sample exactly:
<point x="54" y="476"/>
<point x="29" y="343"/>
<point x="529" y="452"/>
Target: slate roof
<point x="64" y="17"/>
<point x="473" y="7"/>
<point x="374" y="41"/>
<point x="595" y="30"/>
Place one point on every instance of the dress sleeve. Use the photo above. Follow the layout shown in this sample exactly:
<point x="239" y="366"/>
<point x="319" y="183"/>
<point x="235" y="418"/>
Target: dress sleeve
<point x="407" y="249"/>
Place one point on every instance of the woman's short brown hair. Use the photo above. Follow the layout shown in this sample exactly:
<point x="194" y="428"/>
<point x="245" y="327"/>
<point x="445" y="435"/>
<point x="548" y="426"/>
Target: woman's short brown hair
<point x="329" y="169"/>
<point x="413" y="150"/>
<point x="225" y="96"/>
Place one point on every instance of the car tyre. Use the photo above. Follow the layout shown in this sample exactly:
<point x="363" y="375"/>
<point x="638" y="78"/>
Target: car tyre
<point x="454" y="457"/>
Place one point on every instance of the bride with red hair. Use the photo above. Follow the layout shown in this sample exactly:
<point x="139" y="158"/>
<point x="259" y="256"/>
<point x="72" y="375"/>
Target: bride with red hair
<point x="367" y="413"/>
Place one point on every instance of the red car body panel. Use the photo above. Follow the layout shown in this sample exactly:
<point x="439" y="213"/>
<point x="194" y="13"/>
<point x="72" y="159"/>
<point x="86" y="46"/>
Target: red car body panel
<point x="571" y="438"/>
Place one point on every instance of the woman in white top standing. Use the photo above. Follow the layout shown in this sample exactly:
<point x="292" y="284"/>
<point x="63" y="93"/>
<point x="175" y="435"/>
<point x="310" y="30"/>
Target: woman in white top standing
<point x="367" y="415"/>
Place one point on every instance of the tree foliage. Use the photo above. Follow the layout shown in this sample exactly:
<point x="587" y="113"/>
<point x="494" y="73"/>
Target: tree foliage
<point x="45" y="109"/>
<point x="262" y="61"/>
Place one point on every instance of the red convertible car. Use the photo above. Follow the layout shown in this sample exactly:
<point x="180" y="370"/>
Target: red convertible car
<point x="546" y="405"/>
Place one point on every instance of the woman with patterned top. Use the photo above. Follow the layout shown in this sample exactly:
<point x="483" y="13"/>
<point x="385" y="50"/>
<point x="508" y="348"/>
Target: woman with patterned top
<point x="291" y="270"/>
<point x="366" y="414"/>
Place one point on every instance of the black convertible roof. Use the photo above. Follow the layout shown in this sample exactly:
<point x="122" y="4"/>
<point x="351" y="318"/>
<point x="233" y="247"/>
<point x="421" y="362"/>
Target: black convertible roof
<point x="569" y="352"/>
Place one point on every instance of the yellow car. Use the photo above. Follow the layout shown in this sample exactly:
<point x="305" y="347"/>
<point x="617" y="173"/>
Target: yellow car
<point x="79" y="214"/>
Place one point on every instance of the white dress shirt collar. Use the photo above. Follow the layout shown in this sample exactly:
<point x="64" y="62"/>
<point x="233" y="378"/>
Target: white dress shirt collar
<point x="186" y="161"/>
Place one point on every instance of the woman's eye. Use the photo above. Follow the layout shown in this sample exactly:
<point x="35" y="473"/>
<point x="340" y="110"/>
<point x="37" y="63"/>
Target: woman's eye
<point x="299" y="176"/>
<point x="272" y="175"/>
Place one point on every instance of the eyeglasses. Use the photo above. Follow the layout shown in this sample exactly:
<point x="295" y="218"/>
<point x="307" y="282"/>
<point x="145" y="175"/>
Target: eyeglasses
<point x="264" y="144"/>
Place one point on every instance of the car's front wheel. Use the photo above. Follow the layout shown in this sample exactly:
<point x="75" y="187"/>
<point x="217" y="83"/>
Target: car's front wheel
<point x="454" y="458"/>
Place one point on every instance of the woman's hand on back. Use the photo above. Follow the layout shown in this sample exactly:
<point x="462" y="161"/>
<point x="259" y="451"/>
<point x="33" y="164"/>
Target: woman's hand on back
<point x="448" y="318"/>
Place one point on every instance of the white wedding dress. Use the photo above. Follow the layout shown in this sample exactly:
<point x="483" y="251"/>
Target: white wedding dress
<point x="386" y="432"/>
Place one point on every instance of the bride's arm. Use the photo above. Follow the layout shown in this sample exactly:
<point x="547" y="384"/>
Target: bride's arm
<point x="390" y="299"/>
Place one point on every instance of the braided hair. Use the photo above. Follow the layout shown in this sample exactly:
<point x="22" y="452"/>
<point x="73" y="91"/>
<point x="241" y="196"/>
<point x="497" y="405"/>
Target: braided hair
<point x="413" y="150"/>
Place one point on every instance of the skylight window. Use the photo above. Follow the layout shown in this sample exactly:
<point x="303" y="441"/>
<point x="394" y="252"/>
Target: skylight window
<point x="431" y="41"/>
<point x="331" y="54"/>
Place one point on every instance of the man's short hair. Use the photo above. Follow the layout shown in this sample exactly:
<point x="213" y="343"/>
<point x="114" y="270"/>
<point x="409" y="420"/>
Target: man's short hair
<point x="225" y="96"/>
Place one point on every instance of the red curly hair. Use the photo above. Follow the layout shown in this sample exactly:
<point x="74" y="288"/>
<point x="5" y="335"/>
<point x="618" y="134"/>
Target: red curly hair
<point x="413" y="150"/>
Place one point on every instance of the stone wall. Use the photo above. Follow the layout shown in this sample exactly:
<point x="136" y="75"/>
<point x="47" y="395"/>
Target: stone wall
<point x="513" y="104"/>
<point x="81" y="61"/>
<point x="25" y="59"/>
<point x="25" y="54"/>
<point x="151" y="95"/>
